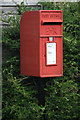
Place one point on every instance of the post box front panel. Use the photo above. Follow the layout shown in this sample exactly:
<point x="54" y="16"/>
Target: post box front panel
<point x="51" y="43"/>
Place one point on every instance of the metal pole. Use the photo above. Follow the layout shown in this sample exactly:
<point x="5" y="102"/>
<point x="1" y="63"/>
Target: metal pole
<point x="41" y="84"/>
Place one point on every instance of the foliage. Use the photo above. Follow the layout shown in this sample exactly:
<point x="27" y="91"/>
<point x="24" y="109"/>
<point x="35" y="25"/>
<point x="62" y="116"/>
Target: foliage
<point x="62" y="100"/>
<point x="62" y="93"/>
<point x="20" y="102"/>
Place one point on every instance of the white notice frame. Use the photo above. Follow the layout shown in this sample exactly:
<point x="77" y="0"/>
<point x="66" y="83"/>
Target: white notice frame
<point x="51" y="53"/>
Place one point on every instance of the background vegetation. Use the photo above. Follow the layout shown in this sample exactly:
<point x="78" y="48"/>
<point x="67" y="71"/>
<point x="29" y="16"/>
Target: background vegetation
<point x="20" y="93"/>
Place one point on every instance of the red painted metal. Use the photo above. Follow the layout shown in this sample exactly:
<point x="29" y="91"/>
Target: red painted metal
<point x="35" y="29"/>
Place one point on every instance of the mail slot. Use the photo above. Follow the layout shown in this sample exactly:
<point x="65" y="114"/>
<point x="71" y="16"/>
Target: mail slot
<point x="41" y="43"/>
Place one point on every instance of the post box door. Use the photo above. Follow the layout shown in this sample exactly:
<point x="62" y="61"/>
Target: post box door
<point x="51" y="67"/>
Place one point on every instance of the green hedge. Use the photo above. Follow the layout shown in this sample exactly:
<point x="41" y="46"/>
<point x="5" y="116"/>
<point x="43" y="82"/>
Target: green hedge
<point x="20" y="94"/>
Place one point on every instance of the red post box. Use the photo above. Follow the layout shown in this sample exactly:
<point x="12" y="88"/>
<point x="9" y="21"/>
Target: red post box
<point x="41" y="43"/>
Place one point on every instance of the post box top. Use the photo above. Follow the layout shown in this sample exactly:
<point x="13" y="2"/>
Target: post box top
<point x="48" y="15"/>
